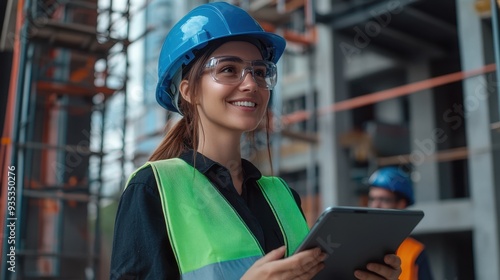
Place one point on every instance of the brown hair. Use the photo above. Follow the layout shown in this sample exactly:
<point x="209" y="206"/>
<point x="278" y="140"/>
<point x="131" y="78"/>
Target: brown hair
<point x="184" y="134"/>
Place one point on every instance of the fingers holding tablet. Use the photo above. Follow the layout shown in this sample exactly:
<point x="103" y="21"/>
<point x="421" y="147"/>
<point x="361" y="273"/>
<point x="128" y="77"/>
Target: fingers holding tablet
<point x="303" y="265"/>
<point x="306" y="264"/>
<point x="390" y="270"/>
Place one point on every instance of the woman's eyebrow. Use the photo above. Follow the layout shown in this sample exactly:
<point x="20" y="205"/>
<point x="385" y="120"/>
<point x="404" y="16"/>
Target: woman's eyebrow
<point x="230" y="58"/>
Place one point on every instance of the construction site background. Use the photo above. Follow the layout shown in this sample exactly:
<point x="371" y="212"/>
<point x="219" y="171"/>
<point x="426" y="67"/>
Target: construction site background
<point x="362" y="84"/>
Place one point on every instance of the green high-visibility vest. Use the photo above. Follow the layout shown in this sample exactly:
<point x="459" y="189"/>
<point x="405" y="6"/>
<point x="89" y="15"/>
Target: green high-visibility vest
<point x="208" y="237"/>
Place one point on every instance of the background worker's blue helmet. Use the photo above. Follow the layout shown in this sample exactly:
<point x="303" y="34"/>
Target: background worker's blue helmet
<point x="194" y="31"/>
<point x="393" y="179"/>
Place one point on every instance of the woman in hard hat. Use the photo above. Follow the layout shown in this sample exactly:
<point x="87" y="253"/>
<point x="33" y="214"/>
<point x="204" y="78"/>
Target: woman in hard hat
<point x="197" y="210"/>
<point x="391" y="188"/>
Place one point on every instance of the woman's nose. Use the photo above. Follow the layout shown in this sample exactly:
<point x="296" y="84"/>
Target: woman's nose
<point x="248" y="78"/>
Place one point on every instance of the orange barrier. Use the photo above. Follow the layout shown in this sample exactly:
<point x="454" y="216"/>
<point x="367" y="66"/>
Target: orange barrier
<point x="440" y="156"/>
<point x="382" y="95"/>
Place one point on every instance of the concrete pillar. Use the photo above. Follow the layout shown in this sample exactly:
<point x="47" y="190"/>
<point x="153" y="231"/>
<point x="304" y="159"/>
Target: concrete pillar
<point x="481" y="170"/>
<point x="334" y="183"/>
<point x="423" y="138"/>
<point x="324" y="66"/>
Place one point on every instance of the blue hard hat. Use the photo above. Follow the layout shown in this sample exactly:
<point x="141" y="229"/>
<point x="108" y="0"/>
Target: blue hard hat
<point x="203" y="24"/>
<point x="393" y="179"/>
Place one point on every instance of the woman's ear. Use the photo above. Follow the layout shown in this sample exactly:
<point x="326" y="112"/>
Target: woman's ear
<point x="184" y="90"/>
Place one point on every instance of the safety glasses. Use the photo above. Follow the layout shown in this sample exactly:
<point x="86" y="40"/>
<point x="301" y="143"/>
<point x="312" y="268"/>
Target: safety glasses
<point x="230" y="70"/>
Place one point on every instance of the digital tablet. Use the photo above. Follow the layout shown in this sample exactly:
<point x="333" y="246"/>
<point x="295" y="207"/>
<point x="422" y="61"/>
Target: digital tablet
<point x="354" y="236"/>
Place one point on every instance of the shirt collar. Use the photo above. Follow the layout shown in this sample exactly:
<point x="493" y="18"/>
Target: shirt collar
<point x="198" y="161"/>
<point x="203" y="164"/>
<point x="250" y="170"/>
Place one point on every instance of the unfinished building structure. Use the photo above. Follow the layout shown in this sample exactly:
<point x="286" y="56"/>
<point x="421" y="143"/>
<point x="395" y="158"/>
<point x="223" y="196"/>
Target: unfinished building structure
<point x="63" y="133"/>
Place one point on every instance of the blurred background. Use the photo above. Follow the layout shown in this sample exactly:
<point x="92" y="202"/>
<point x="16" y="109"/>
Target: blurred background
<point x="363" y="84"/>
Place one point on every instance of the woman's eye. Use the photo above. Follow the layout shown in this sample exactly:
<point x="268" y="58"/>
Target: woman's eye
<point x="260" y="73"/>
<point x="227" y="69"/>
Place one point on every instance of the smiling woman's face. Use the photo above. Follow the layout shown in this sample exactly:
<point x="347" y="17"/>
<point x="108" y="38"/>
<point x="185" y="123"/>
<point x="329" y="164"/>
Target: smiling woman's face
<point x="236" y="107"/>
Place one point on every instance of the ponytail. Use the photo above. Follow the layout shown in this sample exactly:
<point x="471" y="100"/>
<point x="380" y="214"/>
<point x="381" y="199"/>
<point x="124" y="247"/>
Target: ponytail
<point x="184" y="134"/>
<point x="176" y="141"/>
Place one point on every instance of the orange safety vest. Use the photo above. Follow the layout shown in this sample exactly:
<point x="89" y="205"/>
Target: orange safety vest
<point x="409" y="251"/>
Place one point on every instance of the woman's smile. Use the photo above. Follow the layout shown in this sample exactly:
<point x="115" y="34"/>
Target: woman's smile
<point x="247" y="104"/>
<point x="235" y="106"/>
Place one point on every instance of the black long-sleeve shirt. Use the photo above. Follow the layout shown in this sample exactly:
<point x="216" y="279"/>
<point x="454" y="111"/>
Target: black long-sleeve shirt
<point x="141" y="247"/>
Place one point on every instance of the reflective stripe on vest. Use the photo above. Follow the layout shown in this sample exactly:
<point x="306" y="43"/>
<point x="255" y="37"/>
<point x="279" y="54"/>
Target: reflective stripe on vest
<point x="409" y="251"/>
<point x="208" y="237"/>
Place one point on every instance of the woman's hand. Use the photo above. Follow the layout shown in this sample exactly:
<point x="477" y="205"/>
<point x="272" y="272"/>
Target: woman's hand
<point x="303" y="265"/>
<point x="390" y="270"/>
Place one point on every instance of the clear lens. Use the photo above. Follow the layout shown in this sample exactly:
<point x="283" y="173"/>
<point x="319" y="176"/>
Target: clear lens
<point x="232" y="70"/>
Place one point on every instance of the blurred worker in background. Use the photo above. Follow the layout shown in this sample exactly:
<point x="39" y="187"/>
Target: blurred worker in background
<point x="197" y="210"/>
<point x="392" y="188"/>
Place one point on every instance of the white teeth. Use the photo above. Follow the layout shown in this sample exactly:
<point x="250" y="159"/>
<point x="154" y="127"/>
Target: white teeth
<point x="244" y="103"/>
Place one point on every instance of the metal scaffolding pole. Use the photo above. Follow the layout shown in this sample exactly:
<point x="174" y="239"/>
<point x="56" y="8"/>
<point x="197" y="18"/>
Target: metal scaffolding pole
<point x="496" y="43"/>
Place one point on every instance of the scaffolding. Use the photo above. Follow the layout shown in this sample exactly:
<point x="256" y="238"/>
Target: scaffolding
<point x="69" y="74"/>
